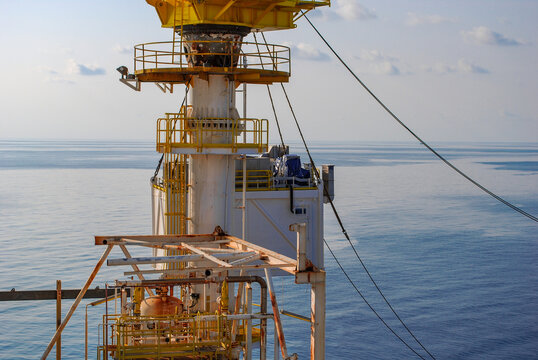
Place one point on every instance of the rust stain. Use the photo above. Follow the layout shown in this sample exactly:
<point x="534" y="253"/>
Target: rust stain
<point x="279" y="330"/>
<point x="312" y="342"/>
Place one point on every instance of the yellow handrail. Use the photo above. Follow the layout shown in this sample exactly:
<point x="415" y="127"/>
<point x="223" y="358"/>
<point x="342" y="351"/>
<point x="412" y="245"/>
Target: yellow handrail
<point x="175" y="335"/>
<point x="178" y="131"/>
<point x="256" y="179"/>
<point x="170" y="54"/>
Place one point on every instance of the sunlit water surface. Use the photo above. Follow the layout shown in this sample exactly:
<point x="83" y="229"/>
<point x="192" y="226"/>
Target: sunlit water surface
<point x="460" y="268"/>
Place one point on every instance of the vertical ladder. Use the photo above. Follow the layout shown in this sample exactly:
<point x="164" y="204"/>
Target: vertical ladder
<point x="175" y="184"/>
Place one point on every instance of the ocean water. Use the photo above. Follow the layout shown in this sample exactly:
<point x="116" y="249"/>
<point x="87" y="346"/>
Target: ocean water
<point x="460" y="268"/>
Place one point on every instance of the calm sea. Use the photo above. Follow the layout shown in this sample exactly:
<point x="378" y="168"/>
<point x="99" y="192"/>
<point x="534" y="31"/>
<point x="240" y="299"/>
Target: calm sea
<point x="460" y="268"/>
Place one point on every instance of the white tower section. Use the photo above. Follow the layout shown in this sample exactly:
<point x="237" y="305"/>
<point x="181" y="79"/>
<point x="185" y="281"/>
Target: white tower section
<point x="212" y="176"/>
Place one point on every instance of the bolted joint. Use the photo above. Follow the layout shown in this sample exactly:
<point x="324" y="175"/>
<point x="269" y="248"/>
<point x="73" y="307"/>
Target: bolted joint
<point x="297" y="227"/>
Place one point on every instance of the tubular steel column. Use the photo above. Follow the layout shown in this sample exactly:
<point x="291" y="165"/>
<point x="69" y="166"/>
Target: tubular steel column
<point x="317" y="335"/>
<point x="58" y="318"/>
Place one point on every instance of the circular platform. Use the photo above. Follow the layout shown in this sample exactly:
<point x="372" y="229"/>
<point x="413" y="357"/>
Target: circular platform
<point x="183" y="75"/>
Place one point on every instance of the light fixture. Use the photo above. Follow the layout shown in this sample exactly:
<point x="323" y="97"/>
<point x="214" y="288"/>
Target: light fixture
<point x="123" y="70"/>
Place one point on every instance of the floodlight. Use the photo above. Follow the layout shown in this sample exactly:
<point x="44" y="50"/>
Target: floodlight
<point x="123" y="70"/>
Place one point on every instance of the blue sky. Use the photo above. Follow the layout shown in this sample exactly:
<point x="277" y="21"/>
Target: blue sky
<point x="453" y="70"/>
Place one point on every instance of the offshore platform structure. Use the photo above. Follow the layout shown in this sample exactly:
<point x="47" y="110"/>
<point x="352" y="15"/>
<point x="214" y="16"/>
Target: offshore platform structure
<point x="228" y="210"/>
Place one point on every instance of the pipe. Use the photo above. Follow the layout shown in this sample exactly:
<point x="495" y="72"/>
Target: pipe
<point x="294" y="315"/>
<point x="95" y="303"/>
<point x="237" y="305"/>
<point x="230" y="279"/>
<point x="105" y="330"/>
<point x="244" y="205"/>
<point x="248" y="302"/>
<point x="86" y="334"/>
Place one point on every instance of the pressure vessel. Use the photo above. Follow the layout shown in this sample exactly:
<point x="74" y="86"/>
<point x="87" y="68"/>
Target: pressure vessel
<point x="161" y="305"/>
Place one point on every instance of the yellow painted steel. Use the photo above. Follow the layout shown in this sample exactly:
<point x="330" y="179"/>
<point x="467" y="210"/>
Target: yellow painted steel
<point x="261" y="14"/>
<point x="175" y="213"/>
<point x="137" y="299"/>
<point x="198" y="335"/>
<point x="179" y="131"/>
<point x="256" y="180"/>
<point x="224" y="297"/>
<point x="176" y="62"/>
<point x="175" y="187"/>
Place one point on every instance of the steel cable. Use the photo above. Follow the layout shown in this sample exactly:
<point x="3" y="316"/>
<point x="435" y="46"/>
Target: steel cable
<point x="344" y="230"/>
<point x="367" y="303"/>
<point x="269" y="92"/>
<point x="495" y="196"/>
<point x="182" y="104"/>
<point x="316" y="172"/>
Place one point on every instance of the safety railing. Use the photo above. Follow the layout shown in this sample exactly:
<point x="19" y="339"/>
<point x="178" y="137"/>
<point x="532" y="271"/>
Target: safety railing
<point x="167" y="336"/>
<point x="284" y="182"/>
<point x="263" y="180"/>
<point x="178" y="131"/>
<point x="224" y="56"/>
<point x="255" y="179"/>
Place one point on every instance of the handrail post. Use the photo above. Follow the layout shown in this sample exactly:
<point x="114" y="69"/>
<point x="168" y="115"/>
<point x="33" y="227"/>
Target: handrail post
<point x="275" y="58"/>
<point x="234" y="140"/>
<point x="58" y="318"/>
<point x="231" y="53"/>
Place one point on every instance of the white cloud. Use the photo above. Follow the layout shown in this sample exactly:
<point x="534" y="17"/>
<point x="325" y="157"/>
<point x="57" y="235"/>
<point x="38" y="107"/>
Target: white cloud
<point x="375" y="62"/>
<point x="467" y="67"/>
<point x="515" y="116"/>
<point x="441" y="68"/>
<point x="123" y="49"/>
<point x="385" y="68"/>
<point x="59" y="79"/>
<point x="47" y="70"/>
<point x="307" y="52"/>
<point x="414" y="19"/>
<point x="462" y="66"/>
<point x="345" y="10"/>
<point x="352" y="10"/>
<point x="375" y="55"/>
<point x="485" y="36"/>
<point x="74" y="68"/>
<point x="53" y="76"/>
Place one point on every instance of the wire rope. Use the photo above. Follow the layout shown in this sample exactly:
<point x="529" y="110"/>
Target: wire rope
<point x="162" y="156"/>
<point x="344" y="231"/>
<point x="269" y="92"/>
<point x="367" y="303"/>
<point x="452" y="166"/>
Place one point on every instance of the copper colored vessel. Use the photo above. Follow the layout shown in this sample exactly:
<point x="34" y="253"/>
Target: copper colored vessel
<point x="161" y="304"/>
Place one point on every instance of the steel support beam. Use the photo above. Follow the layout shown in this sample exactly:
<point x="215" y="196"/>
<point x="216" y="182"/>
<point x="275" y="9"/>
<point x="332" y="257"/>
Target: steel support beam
<point x="77" y="301"/>
<point x="35" y="295"/>
<point x="317" y="326"/>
